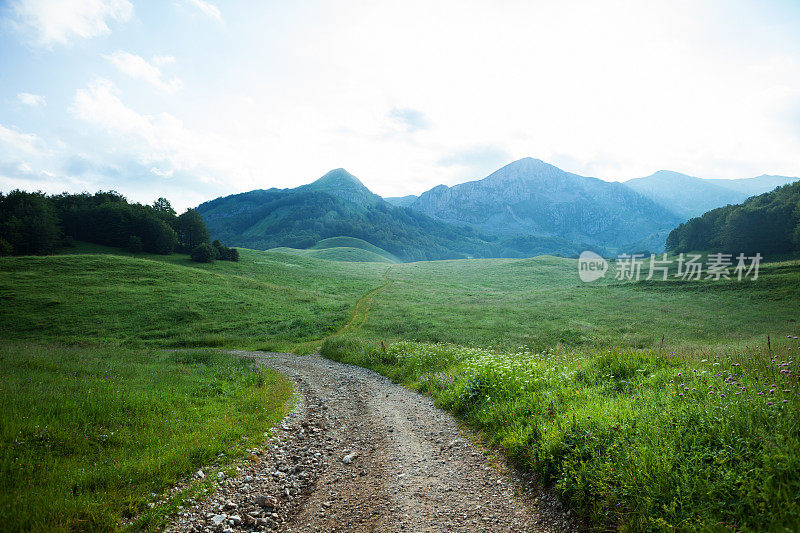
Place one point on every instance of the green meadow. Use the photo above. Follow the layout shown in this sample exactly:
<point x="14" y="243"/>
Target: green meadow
<point x="87" y="434"/>
<point x="646" y="405"/>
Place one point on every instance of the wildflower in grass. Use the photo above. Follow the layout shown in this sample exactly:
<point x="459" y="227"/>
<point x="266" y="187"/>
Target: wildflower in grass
<point x="769" y="403"/>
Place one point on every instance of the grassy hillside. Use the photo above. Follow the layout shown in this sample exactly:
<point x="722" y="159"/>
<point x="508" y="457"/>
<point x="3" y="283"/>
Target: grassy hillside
<point x="352" y="242"/>
<point x="265" y="300"/>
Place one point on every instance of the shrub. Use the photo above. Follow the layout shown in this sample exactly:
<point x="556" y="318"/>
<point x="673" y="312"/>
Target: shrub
<point x="223" y="253"/>
<point x="203" y="253"/>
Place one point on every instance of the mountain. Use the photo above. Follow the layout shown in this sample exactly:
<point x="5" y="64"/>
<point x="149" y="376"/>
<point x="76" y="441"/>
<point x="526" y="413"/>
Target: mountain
<point x="767" y="224"/>
<point x="685" y="195"/>
<point x="402" y="201"/>
<point x="689" y="196"/>
<point x="338" y="205"/>
<point x="342" y="184"/>
<point x="338" y="208"/>
<point x="754" y="186"/>
<point x="530" y="197"/>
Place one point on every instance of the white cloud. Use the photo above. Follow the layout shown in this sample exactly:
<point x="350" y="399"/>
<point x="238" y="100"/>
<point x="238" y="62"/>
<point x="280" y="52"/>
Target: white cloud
<point x="15" y="142"/>
<point x="138" y="67"/>
<point x="32" y="100"/>
<point x="207" y="8"/>
<point x="59" y="21"/>
<point x="160" y="141"/>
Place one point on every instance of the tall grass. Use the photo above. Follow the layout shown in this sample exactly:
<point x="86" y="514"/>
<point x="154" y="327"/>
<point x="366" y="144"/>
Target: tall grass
<point x="631" y="439"/>
<point x="87" y="434"/>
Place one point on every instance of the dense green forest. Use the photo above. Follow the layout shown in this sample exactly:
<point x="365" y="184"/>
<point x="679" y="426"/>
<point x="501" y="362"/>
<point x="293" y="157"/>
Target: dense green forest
<point x="32" y="223"/>
<point x="768" y="224"/>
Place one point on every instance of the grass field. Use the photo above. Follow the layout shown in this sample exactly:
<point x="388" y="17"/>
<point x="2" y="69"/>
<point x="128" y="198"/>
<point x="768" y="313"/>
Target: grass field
<point x="540" y="303"/>
<point x="87" y="434"/>
<point x="698" y="431"/>
<point x="267" y="300"/>
<point x="579" y="382"/>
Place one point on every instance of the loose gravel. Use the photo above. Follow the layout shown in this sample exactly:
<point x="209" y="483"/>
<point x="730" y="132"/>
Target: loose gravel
<point x="360" y="453"/>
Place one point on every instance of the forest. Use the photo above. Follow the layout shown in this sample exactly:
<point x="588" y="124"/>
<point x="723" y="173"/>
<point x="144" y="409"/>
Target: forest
<point x="768" y="223"/>
<point x="33" y="223"/>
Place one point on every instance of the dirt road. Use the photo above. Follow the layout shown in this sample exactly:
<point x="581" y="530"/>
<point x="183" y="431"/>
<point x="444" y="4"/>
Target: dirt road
<point x="363" y="454"/>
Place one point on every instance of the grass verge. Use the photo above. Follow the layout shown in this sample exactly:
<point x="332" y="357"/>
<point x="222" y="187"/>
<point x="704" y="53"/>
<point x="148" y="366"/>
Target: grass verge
<point x="631" y="439"/>
<point x="88" y="434"/>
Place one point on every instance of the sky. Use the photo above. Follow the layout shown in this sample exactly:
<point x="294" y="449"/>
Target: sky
<point x="194" y="99"/>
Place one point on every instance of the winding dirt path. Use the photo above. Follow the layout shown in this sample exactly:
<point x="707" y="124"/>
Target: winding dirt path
<point x="363" y="454"/>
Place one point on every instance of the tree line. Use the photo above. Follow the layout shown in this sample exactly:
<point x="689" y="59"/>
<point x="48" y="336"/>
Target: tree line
<point x="33" y="223"/>
<point x="766" y="224"/>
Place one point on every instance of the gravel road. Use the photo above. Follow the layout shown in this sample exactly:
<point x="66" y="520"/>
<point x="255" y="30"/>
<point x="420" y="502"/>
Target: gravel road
<point x="360" y="453"/>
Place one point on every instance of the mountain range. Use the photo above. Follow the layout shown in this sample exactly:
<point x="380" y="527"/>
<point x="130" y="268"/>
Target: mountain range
<point x="526" y="208"/>
<point x="689" y="197"/>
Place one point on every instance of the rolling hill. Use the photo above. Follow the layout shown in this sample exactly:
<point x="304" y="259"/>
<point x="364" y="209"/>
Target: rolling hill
<point x="343" y="249"/>
<point x="352" y="242"/>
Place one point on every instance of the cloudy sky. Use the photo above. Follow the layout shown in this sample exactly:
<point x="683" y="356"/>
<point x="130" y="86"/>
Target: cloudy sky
<point x="192" y="99"/>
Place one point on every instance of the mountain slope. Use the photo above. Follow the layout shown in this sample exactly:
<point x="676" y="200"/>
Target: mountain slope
<point x="754" y="186"/>
<point x="689" y="196"/>
<point x="530" y="197"/>
<point x="685" y="195"/>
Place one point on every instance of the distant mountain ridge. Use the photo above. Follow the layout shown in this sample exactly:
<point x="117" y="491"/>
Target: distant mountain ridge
<point x="689" y="196"/>
<point x="526" y="208"/>
<point x="531" y="197"/>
